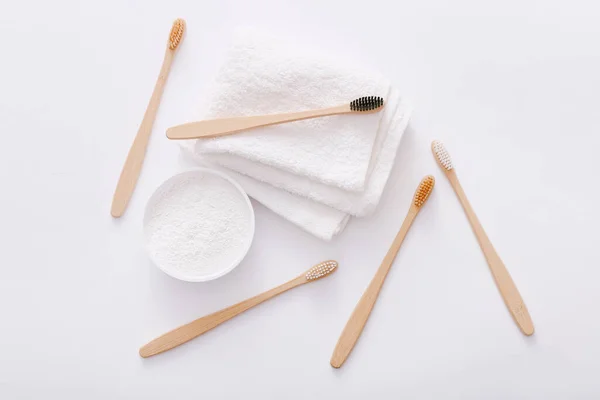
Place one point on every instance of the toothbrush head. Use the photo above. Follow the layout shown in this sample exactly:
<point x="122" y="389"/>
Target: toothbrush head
<point x="368" y="103"/>
<point x="441" y="155"/>
<point x="423" y="191"/>
<point x="176" y="33"/>
<point x="320" y="270"/>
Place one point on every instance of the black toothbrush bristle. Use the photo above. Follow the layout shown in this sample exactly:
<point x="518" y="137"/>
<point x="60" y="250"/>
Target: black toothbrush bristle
<point x="367" y="103"/>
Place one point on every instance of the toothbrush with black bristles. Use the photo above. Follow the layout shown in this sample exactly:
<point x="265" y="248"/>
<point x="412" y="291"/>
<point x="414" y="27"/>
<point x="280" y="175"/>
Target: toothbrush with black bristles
<point x="227" y="126"/>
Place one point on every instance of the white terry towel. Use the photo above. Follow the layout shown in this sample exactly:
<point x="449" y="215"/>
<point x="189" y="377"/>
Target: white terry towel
<point x="355" y="203"/>
<point x="313" y="173"/>
<point x="264" y="76"/>
<point x="315" y="218"/>
<point x="318" y="219"/>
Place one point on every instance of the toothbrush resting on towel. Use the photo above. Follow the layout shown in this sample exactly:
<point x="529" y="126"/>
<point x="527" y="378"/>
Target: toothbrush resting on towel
<point x="227" y="126"/>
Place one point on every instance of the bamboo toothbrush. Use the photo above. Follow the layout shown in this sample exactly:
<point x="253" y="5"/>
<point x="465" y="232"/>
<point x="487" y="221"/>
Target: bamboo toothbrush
<point x="359" y="317"/>
<point x="505" y="284"/>
<point x="195" y="328"/>
<point x="135" y="158"/>
<point x="227" y="126"/>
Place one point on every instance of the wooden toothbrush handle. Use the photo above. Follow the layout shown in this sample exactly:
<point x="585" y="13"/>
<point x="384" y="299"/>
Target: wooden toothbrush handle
<point x="227" y="126"/>
<point x="512" y="298"/>
<point x="197" y="327"/>
<point x="135" y="158"/>
<point x="360" y="315"/>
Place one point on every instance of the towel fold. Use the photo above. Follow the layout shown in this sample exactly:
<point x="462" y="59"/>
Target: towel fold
<point x="315" y="218"/>
<point x="315" y="173"/>
<point x="262" y="75"/>
<point x="355" y="203"/>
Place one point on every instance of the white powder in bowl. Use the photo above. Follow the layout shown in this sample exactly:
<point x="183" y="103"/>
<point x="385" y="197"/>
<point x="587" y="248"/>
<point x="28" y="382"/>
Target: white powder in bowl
<point x="198" y="225"/>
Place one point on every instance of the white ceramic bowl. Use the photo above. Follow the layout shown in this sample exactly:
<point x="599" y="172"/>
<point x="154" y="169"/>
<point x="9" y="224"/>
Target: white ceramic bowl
<point x="172" y="219"/>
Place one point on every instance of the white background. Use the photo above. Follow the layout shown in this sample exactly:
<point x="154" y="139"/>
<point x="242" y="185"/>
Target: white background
<point x="512" y="87"/>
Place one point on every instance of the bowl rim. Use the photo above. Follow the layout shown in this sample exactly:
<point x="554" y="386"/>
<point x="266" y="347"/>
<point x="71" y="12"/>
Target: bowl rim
<point x="236" y="262"/>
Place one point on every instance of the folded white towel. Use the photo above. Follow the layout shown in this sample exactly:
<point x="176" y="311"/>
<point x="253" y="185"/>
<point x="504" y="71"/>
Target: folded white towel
<point x="261" y="76"/>
<point x="317" y="219"/>
<point x="316" y="172"/>
<point x="359" y="204"/>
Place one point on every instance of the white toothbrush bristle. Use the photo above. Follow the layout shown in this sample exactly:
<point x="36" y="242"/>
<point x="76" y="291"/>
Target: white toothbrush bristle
<point x="321" y="270"/>
<point x="441" y="154"/>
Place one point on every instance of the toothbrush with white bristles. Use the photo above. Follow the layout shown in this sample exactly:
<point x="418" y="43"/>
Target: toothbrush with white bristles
<point x="506" y="286"/>
<point x="202" y="325"/>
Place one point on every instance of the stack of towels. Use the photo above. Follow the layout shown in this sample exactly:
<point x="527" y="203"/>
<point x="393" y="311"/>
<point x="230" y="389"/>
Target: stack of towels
<point x="315" y="173"/>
